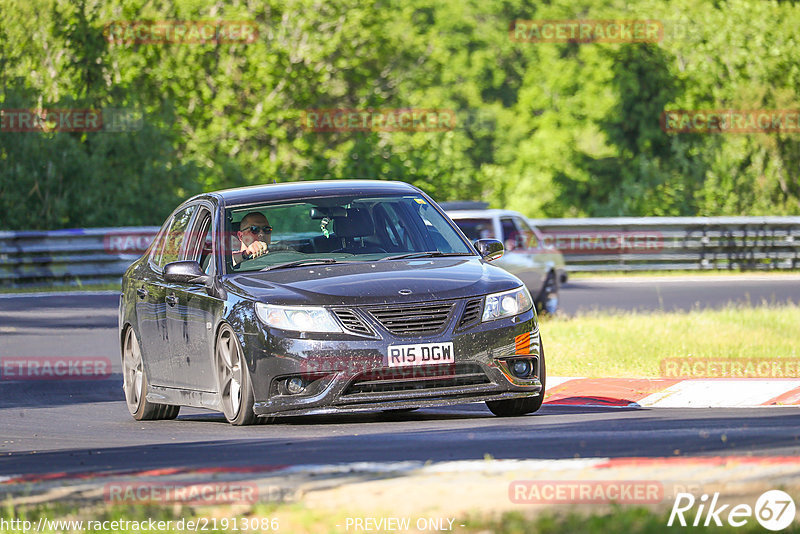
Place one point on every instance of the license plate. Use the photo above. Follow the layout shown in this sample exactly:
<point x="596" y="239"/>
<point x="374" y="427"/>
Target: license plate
<point x="421" y="354"/>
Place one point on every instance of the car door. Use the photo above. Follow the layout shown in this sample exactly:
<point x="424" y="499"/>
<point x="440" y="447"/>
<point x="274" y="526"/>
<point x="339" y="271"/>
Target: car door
<point x="153" y="324"/>
<point x="191" y="311"/>
<point x="518" y="258"/>
<point x="529" y="245"/>
<point x="150" y="313"/>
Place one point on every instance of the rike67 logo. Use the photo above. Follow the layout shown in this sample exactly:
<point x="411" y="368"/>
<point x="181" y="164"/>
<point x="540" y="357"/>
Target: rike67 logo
<point x="774" y="510"/>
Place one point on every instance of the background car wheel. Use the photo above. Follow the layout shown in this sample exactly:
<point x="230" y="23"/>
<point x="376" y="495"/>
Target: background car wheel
<point x="547" y="301"/>
<point x="515" y="407"/>
<point x="233" y="379"/>
<point x="134" y="383"/>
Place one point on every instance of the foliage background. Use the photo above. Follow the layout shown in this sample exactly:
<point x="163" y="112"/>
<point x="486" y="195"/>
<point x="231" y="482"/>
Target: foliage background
<point x="547" y="129"/>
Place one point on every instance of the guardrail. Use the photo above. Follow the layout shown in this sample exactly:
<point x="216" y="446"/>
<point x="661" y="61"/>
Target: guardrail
<point x="663" y="243"/>
<point x="97" y="255"/>
<point x="70" y="257"/>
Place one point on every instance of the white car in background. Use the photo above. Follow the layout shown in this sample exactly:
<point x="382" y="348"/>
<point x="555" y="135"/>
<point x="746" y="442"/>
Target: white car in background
<point x="542" y="268"/>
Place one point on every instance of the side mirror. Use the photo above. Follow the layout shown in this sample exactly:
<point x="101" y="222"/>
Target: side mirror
<point x="185" y="272"/>
<point x="489" y="249"/>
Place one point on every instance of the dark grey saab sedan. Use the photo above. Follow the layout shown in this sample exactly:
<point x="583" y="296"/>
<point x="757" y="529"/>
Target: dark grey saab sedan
<point x="323" y="297"/>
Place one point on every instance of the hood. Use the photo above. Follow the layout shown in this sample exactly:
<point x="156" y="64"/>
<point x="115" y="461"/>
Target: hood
<point x="365" y="283"/>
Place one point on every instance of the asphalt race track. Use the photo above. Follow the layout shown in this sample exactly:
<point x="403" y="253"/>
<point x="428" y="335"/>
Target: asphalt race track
<point x="677" y="293"/>
<point x="84" y="426"/>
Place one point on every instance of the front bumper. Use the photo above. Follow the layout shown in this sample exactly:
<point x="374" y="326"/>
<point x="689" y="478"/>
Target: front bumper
<point x="347" y="373"/>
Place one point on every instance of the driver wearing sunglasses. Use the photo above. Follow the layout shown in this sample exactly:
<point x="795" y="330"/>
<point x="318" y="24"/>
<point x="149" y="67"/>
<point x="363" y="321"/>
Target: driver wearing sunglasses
<point x="255" y="235"/>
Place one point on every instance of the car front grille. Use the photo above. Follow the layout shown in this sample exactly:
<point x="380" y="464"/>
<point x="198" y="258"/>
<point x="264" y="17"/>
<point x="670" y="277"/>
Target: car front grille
<point x="352" y="322"/>
<point x="413" y="319"/>
<point x="472" y="312"/>
<point x="387" y="380"/>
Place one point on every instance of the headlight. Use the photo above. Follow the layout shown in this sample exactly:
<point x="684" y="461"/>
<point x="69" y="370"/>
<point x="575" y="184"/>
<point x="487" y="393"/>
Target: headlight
<point x="298" y="318"/>
<point x="507" y="304"/>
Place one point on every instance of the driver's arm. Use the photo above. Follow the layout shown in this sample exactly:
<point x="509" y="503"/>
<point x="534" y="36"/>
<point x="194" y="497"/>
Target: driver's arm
<point x="254" y="250"/>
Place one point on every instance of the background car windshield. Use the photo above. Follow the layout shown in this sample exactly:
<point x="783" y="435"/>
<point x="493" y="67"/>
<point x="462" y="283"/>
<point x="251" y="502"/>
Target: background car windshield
<point x="476" y="229"/>
<point x="346" y="229"/>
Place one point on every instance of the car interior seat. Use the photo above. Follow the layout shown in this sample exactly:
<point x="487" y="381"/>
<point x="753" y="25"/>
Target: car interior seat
<point x="352" y="229"/>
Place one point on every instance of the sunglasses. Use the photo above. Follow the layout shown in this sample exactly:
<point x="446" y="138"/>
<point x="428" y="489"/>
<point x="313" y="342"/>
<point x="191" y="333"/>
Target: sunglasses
<point x="255" y="229"/>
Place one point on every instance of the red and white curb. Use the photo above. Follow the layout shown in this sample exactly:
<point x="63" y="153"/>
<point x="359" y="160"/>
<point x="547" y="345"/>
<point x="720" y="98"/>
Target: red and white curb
<point x="672" y="392"/>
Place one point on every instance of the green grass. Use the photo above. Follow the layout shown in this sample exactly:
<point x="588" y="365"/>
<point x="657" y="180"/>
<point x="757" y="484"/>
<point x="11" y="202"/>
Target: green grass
<point x="630" y="344"/>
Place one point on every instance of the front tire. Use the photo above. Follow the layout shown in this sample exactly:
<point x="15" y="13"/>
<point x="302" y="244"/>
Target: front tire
<point x="526" y="405"/>
<point x="233" y="380"/>
<point x="134" y="383"/>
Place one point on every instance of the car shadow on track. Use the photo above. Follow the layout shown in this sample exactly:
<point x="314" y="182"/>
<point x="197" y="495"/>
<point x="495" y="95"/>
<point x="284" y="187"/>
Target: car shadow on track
<point x="451" y="413"/>
<point x="47" y="393"/>
<point x="339" y="419"/>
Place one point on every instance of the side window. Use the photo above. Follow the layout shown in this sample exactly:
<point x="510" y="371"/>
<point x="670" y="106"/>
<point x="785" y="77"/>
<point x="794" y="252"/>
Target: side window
<point x="528" y="237"/>
<point x="175" y="236"/>
<point x="158" y="244"/>
<point x="199" y="247"/>
<point x="510" y="234"/>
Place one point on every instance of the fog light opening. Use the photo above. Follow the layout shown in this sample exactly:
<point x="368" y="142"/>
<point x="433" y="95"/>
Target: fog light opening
<point x="522" y="368"/>
<point x="295" y="385"/>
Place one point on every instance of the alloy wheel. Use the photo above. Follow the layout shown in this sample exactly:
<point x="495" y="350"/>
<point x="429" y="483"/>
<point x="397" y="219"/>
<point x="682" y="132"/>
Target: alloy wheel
<point x="132" y="372"/>
<point x="229" y="372"/>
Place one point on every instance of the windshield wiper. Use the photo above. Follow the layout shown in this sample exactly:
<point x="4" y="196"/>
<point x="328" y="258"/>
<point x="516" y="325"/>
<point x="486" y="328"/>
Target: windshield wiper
<point x="426" y="254"/>
<point x="298" y="263"/>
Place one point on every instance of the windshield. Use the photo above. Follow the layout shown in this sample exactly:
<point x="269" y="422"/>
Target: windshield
<point x="337" y="229"/>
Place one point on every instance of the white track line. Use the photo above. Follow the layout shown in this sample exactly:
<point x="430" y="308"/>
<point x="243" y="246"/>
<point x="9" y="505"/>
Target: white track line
<point x="748" y="392"/>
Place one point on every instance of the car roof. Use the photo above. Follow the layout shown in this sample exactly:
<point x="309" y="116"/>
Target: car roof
<point x="310" y="188"/>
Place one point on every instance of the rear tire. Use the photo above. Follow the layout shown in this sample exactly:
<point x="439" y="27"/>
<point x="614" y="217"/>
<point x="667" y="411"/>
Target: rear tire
<point x="526" y="405"/>
<point x="547" y="300"/>
<point x="134" y="384"/>
<point x="233" y="380"/>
